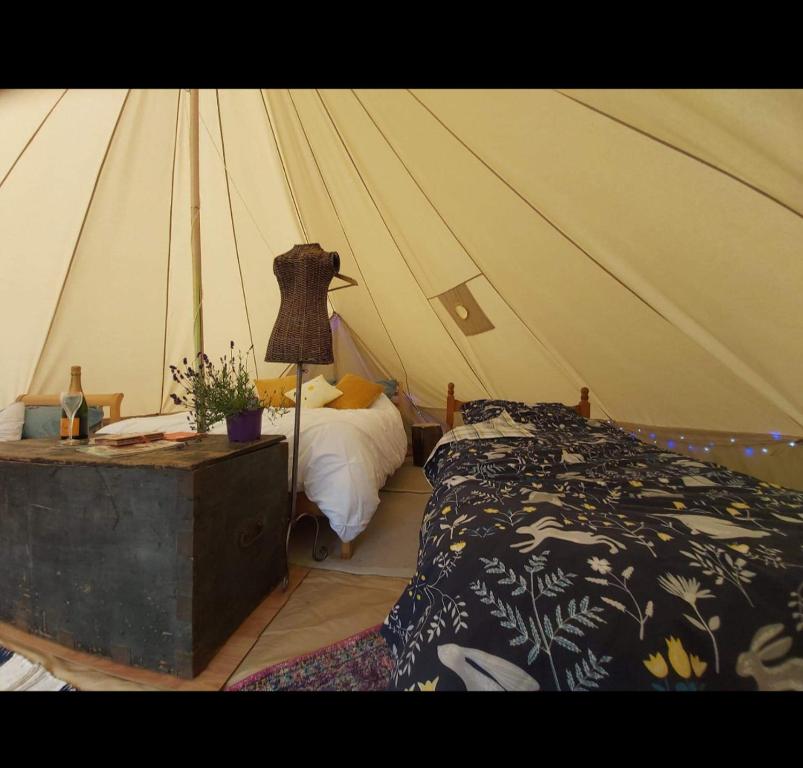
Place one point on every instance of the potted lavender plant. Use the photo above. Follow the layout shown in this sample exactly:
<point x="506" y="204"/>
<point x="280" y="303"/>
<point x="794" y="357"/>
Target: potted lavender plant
<point x="212" y="393"/>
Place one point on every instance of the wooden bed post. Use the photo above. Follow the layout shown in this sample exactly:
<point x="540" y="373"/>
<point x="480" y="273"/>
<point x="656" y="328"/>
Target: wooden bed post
<point x="584" y="406"/>
<point x="307" y="508"/>
<point x="450" y="406"/>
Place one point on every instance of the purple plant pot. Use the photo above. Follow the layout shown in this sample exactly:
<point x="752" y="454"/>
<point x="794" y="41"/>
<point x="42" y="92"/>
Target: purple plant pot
<point x="244" y="427"/>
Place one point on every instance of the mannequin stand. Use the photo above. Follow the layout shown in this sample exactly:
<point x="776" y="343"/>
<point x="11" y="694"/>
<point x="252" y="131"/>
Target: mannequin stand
<point x="318" y="553"/>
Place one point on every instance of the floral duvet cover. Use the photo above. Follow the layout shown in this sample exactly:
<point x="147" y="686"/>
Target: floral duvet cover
<point x="579" y="558"/>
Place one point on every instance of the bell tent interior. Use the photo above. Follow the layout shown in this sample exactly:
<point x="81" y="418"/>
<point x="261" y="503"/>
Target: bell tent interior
<point x="520" y="244"/>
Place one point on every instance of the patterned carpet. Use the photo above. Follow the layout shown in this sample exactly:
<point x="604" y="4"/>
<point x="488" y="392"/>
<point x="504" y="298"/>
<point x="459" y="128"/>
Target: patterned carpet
<point x="19" y="674"/>
<point x="358" y="663"/>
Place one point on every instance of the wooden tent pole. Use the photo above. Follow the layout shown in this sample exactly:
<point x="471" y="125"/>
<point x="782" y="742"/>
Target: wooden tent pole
<point x="195" y="236"/>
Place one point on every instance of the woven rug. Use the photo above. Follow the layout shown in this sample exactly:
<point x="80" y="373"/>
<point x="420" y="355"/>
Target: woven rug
<point x="19" y="674"/>
<point x="359" y="663"/>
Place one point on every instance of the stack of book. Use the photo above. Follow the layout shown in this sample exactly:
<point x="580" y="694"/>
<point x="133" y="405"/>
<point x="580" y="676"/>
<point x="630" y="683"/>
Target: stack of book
<point x="139" y="438"/>
<point x="181" y="437"/>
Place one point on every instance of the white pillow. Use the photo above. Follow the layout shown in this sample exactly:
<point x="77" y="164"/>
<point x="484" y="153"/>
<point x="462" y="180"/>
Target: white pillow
<point x="11" y="420"/>
<point x="315" y="393"/>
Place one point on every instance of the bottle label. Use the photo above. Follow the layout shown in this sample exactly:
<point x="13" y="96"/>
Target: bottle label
<point x="64" y="431"/>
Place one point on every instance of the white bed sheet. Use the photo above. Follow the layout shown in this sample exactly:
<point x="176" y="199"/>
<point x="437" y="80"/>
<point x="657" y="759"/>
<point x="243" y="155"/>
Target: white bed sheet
<point x="345" y="456"/>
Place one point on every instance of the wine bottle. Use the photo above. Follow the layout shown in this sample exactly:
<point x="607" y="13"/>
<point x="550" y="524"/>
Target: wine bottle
<point x="80" y="430"/>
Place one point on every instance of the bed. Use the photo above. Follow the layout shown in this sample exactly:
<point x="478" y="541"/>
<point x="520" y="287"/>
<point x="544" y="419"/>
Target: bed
<point x="345" y="457"/>
<point x="561" y="553"/>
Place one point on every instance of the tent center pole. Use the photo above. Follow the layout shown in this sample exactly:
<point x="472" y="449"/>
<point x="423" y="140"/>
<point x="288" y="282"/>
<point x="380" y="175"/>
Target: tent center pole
<point x="195" y="231"/>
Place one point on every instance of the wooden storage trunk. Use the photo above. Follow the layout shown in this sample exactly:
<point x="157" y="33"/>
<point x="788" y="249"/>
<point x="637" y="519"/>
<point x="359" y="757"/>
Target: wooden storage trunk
<point x="152" y="559"/>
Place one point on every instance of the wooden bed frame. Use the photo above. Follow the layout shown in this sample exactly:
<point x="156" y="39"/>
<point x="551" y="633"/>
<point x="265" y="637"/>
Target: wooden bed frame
<point x="453" y="405"/>
<point x="112" y="402"/>
<point x="306" y="507"/>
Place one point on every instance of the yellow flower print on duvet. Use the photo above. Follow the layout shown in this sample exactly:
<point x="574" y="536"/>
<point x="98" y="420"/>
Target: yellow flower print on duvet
<point x="688" y="667"/>
<point x="656" y="664"/>
<point x="429" y="685"/>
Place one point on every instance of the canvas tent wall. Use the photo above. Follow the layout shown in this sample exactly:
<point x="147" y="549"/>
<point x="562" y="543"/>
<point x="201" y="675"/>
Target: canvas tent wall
<point x="646" y="244"/>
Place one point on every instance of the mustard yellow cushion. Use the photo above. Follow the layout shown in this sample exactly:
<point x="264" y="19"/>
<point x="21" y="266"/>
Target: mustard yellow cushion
<point x="271" y="391"/>
<point x="357" y="392"/>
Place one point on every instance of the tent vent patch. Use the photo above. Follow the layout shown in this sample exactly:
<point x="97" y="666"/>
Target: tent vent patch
<point x="464" y="310"/>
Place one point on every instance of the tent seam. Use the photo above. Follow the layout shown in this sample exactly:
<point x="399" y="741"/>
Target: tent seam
<point x="691" y="155"/>
<point x="284" y="167"/>
<point x="233" y="230"/>
<point x="467" y="280"/>
<point x="348" y="242"/>
<point x="169" y="248"/>
<point x="234" y="184"/>
<point x="561" y="364"/>
<point x="33" y="136"/>
<point x="776" y="398"/>
<point x="78" y="238"/>
<point x="535" y="209"/>
<point x="398" y="248"/>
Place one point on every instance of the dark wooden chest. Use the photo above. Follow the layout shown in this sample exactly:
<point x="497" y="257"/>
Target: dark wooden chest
<point x="152" y="559"/>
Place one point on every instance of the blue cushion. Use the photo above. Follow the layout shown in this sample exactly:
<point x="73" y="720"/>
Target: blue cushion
<point x="45" y="420"/>
<point x="391" y="386"/>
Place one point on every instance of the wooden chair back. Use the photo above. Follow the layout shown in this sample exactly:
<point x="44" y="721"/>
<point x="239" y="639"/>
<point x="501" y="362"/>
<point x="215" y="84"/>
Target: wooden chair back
<point x="112" y="402"/>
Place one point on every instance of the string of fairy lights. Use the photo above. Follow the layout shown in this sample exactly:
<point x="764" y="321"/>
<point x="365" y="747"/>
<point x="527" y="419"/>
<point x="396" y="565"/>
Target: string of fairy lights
<point x="756" y="445"/>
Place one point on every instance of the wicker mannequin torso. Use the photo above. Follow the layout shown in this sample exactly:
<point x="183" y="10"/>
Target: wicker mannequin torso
<point x="301" y="333"/>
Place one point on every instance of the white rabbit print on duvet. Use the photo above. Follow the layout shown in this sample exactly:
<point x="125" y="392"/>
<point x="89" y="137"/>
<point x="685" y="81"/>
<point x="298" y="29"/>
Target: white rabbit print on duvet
<point x="576" y="557"/>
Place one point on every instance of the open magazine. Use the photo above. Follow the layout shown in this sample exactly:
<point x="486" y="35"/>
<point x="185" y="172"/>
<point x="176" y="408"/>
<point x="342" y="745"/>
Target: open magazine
<point x="135" y="442"/>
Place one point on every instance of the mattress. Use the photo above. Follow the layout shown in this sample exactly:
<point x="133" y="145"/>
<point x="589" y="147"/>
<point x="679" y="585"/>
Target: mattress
<point x="345" y="456"/>
<point x="571" y="556"/>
